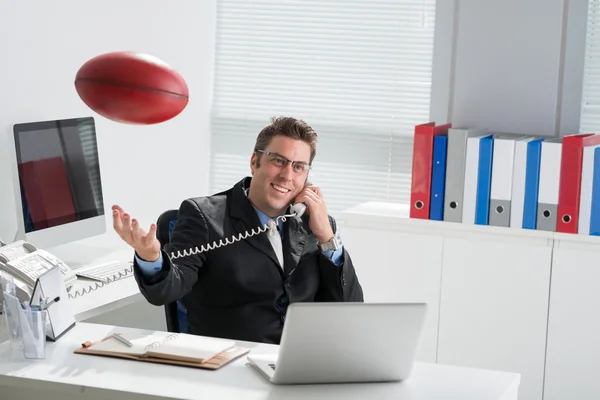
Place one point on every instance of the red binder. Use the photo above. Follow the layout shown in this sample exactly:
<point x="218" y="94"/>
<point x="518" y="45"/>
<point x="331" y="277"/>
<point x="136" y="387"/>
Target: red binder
<point x="420" y="193"/>
<point x="570" y="180"/>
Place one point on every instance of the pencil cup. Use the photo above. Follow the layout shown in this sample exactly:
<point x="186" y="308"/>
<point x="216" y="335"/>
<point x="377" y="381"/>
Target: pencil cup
<point x="33" y="330"/>
<point x="11" y="310"/>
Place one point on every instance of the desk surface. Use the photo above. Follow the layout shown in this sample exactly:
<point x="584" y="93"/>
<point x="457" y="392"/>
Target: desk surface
<point x="96" y="376"/>
<point x="108" y="297"/>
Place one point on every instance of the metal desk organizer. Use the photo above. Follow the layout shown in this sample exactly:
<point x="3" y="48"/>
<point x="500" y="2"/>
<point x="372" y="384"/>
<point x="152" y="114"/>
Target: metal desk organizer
<point x="47" y="315"/>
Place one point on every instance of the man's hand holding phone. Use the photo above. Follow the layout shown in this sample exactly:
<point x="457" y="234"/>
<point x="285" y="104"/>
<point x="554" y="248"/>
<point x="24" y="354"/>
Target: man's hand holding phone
<point x="316" y="209"/>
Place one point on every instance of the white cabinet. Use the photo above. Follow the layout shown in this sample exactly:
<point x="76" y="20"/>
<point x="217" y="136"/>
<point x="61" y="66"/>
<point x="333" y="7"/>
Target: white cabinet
<point x="399" y="267"/>
<point x="500" y="298"/>
<point x="494" y="304"/>
<point x="573" y="355"/>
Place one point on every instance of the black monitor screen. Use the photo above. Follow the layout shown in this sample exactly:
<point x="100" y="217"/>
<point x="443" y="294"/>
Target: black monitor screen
<point x="59" y="172"/>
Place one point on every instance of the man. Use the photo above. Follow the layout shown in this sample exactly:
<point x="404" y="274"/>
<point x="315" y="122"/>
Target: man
<point x="241" y="290"/>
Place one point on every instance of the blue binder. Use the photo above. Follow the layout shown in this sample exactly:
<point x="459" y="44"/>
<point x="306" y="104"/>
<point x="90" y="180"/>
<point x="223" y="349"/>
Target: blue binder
<point x="532" y="183"/>
<point x="595" y="211"/>
<point x="438" y="177"/>
<point x="484" y="180"/>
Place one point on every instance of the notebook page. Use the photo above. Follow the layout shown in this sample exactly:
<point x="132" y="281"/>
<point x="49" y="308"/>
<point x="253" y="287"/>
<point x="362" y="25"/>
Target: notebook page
<point x="140" y="343"/>
<point x="191" y="347"/>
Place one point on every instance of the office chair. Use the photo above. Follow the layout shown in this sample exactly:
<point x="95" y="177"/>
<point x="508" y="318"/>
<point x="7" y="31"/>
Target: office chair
<point x="175" y="312"/>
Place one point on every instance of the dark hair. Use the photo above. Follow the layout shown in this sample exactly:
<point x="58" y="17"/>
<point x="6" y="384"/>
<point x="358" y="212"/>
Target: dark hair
<point x="290" y="127"/>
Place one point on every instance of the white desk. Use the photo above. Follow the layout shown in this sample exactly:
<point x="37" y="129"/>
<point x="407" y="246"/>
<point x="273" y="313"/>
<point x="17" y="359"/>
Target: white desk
<point x="109" y="297"/>
<point x="65" y="375"/>
<point x="105" y="299"/>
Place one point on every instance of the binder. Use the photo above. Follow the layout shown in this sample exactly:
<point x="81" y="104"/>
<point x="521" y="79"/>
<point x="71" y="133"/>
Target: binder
<point x="484" y="180"/>
<point x="550" y="161"/>
<point x="588" y="169"/>
<point x="595" y="207"/>
<point x="471" y="179"/>
<point x="420" y="195"/>
<point x="519" y="178"/>
<point x="438" y="177"/>
<point x="532" y="183"/>
<point x="455" y="171"/>
<point x="570" y="180"/>
<point x="502" y="178"/>
<point x="165" y="348"/>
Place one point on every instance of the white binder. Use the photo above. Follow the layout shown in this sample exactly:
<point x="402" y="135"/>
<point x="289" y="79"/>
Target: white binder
<point x="585" y="198"/>
<point x="502" y="176"/>
<point x="455" y="171"/>
<point x="549" y="184"/>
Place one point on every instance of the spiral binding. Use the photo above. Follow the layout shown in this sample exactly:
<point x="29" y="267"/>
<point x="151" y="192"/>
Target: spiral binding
<point x="227" y="241"/>
<point x="154" y="345"/>
<point x="97" y="285"/>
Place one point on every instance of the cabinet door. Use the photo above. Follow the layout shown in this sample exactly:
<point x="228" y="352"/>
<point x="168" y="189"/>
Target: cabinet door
<point x="494" y="306"/>
<point x="399" y="267"/>
<point x="573" y="355"/>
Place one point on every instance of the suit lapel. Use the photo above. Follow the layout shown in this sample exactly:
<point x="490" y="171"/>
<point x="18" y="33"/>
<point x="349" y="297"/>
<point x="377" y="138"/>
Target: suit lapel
<point x="293" y="244"/>
<point x="241" y="209"/>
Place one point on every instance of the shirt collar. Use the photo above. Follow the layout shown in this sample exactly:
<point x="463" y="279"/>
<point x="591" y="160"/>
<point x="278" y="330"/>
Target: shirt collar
<point x="264" y="218"/>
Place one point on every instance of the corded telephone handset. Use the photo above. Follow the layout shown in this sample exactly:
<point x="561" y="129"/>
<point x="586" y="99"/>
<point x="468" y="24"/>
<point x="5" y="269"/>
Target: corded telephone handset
<point x="25" y="263"/>
<point x="296" y="211"/>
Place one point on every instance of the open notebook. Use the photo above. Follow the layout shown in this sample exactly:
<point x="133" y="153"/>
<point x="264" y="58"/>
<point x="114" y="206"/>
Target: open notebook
<point x="168" y="348"/>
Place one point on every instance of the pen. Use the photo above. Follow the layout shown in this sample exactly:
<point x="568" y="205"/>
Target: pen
<point x="48" y="304"/>
<point x="122" y="339"/>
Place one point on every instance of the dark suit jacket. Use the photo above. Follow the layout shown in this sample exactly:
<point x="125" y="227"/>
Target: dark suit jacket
<point x="239" y="291"/>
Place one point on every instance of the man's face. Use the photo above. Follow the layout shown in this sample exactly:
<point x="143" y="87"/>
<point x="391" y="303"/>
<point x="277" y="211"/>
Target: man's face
<point x="274" y="187"/>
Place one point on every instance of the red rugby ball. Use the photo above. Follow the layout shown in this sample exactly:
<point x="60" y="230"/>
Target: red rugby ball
<point x="132" y="88"/>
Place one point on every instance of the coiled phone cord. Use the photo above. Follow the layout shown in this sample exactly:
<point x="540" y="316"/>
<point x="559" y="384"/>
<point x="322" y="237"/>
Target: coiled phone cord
<point x="233" y="239"/>
<point x="186" y="253"/>
<point x="97" y="285"/>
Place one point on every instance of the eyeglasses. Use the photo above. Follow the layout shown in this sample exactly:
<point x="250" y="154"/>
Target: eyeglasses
<point x="280" y="161"/>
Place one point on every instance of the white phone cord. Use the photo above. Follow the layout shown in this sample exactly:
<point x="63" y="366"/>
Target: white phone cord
<point x="226" y="241"/>
<point x="73" y="294"/>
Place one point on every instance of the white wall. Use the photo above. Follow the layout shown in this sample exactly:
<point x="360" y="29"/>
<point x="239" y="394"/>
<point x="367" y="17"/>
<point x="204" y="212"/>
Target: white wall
<point x="43" y="44"/>
<point x="510" y="70"/>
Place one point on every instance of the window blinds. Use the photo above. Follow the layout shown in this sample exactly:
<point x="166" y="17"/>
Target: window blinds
<point x="359" y="72"/>
<point x="87" y="135"/>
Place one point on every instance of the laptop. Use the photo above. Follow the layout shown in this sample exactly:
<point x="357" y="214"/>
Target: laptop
<point x="345" y="342"/>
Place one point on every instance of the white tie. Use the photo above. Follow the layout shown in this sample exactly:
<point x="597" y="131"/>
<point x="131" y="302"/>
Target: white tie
<point x="275" y="239"/>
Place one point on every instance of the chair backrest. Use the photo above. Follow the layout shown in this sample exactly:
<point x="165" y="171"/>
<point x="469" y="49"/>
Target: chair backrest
<point x="175" y="312"/>
<point x="164" y="226"/>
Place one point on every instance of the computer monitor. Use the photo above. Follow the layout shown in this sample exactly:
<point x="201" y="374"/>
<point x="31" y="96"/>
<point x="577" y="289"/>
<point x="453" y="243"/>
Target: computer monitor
<point x="57" y="181"/>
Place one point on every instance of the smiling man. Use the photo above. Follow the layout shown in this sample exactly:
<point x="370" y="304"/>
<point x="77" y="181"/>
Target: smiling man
<point x="241" y="291"/>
